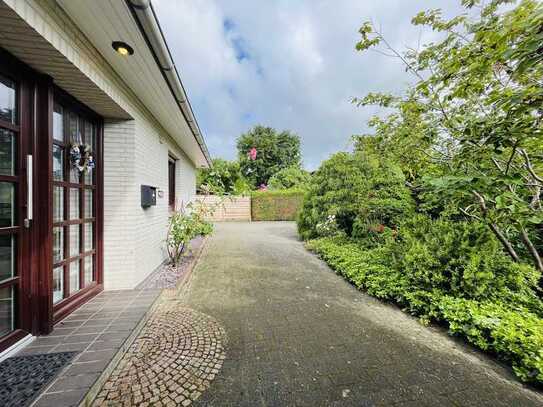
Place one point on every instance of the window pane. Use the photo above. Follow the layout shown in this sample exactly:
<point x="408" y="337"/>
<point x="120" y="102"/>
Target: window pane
<point x="89" y="275"/>
<point x="7" y="152"/>
<point x="74" y="240"/>
<point x="7" y="257"/>
<point x="58" y="244"/>
<point x="8" y="104"/>
<point x="75" y="135"/>
<point x="58" y="123"/>
<point x="75" y="138"/>
<point x="89" y="244"/>
<point x="7" y="204"/>
<point x="58" y="284"/>
<point x="74" y="203"/>
<point x="87" y="177"/>
<point x="89" y="193"/>
<point x="74" y="175"/>
<point x="74" y="276"/>
<point x="7" y="310"/>
<point x="58" y="163"/>
<point x="89" y="135"/>
<point x="58" y="204"/>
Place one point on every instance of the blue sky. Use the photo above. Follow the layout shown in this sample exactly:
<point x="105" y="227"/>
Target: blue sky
<point x="289" y="64"/>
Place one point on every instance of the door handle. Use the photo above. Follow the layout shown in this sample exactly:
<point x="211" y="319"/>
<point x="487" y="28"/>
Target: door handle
<point x="29" y="191"/>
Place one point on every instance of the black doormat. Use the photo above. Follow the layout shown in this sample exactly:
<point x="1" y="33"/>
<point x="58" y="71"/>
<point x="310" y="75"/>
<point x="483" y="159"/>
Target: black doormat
<point x="22" y="378"/>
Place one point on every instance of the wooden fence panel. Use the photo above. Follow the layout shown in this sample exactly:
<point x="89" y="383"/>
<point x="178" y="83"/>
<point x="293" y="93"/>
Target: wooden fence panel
<point x="232" y="208"/>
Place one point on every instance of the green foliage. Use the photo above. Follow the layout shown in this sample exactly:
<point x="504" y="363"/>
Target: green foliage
<point x="276" y="205"/>
<point x="335" y="190"/>
<point x="514" y="334"/>
<point x="183" y="227"/>
<point x="360" y="190"/>
<point x="274" y="152"/>
<point x="288" y="178"/>
<point x="504" y="316"/>
<point x="223" y="177"/>
<point x="466" y="140"/>
<point x="468" y="135"/>
<point x="462" y="259"/>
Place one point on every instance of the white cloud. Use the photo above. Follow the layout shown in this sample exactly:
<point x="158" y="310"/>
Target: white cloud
<point x="287" y="64"/>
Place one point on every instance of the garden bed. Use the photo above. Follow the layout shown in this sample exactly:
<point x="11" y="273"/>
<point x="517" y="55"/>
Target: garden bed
<point x="169" y="275"/>
<point x="511" y="331"/>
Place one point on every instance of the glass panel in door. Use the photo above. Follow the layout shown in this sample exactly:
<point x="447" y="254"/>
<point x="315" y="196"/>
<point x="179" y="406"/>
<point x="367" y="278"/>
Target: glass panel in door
<point x="10" y="180"/>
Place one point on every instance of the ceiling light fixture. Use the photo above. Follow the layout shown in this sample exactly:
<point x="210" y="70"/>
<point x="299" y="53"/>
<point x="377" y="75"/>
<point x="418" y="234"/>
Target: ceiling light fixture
<point x="122" y="48"/>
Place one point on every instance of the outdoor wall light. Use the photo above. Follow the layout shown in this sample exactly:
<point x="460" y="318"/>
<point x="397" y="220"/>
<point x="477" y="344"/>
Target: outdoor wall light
<point x="122" y="48"/>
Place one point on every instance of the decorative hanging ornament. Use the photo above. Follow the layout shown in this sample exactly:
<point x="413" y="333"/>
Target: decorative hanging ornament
<point x="81" y="157"/>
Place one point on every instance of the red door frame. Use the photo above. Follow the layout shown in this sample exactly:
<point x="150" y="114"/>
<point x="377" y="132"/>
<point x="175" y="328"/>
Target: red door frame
<point x="22" y="281"/>
<point x="35" y="313"/>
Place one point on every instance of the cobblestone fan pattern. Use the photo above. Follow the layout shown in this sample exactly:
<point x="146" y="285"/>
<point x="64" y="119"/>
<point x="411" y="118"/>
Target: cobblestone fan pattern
<point x="22" y="378"/>
<point x="174" y="359"/>
<point x="299" y="335"/>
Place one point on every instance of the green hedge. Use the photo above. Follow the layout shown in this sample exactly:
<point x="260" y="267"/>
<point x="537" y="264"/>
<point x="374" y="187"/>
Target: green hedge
<point x="276" y="205"/>
<point x="510" y="327"/>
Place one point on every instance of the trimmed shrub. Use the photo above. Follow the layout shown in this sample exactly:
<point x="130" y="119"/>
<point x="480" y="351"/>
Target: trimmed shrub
<point x="289" y="178"/>
<point x="359" y="191"/>
<point x="496" y="310"/>
<point x="276" y="205"/>
<point x="462" y="259"/>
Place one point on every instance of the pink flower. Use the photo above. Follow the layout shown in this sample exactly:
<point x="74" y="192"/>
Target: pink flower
<point x="263" y="187"/>
<point x="252" y="154"/>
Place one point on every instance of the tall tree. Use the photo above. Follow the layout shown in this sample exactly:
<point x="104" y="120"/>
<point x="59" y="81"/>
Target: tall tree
<point x="263" y="151"/>
<point x="474" y="117"/>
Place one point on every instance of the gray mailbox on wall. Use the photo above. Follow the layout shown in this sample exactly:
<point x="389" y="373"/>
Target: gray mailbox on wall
<point x="148" y="196"/>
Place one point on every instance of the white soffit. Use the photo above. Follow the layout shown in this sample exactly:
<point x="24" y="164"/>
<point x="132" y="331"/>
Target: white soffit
<point x="22" y="40"/>
<point x="105" y="21"/>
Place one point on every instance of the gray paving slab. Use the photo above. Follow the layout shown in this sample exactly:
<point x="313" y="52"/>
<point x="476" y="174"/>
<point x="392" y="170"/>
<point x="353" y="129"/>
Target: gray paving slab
<point x="97" y="340"/>
<point x="299" y="335"/>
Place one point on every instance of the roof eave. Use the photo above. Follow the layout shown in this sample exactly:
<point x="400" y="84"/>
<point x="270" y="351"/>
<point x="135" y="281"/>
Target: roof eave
<point x="147" y="22"/>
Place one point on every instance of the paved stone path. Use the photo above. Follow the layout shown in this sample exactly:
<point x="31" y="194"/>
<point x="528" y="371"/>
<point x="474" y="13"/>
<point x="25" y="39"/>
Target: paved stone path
<point x="97" y="330"/>
<point x="299" y="335"/>
<point x="171" y="362"/>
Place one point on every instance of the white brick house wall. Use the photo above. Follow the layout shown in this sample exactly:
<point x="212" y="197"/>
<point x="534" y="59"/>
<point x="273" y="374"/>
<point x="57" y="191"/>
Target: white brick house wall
<point x="120" y="195"/>
<point x="152" y="155"/>
<point x="135" y="153"/>
<point x="185" y="180"/>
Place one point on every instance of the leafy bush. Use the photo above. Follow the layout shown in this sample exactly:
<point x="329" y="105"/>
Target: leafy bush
<point x="514" y="334"/>
<point x="503" y="316"/>
<point x="360" y="190"/>
<point x="183" y="227"/>
<point x="462" y="259"/>
<point x="223" y="177"/>
<point x="276" y="205"/>
<point x="335" y="190"/>
<point x="288" y="178"/>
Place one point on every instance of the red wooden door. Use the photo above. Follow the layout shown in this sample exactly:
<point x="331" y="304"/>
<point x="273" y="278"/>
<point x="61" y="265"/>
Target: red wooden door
<point x="15" y="212"/>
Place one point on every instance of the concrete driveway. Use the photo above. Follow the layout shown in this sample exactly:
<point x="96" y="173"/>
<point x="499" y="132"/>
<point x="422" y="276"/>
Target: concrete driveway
<point x="299" y="335"/>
